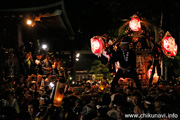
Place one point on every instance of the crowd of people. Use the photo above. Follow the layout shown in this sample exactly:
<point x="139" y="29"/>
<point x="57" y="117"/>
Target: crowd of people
<point x="27" y="63"/>
<point x="25" y="94"/>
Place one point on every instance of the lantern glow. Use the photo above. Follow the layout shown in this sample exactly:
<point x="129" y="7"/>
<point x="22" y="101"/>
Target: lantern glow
<point x="29" y="22"/>
<point x="155" y="76"/>
<point x="59" y="99"/>
<point x="97" y="45"/>
<point x="135" y="23"/>
<point x="149" y="72"/>
<point x="59" y="94"/>
<point x="101" y="87"/>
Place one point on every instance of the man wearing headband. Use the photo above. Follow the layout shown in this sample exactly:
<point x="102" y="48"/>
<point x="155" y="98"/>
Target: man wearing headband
<point x="127" y="60"/>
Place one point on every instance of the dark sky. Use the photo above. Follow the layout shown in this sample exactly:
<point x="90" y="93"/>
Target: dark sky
<point x="96" y="17"/>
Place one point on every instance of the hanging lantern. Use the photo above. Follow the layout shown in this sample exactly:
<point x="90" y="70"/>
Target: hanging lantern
<point x="97" y="45"/>
<point x="169" y="46"/>
<point x="135" y="23"/>
<point x="59" y="94"/>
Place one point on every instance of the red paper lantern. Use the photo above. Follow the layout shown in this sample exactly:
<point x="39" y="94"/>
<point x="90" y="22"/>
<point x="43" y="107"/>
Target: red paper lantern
<point x="135" y="23"/>
<point x="169" y="46"/>
<point x="97" y="45"/>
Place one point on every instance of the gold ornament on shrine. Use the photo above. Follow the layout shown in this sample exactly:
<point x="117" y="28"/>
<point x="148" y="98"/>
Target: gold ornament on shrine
<point x="135" y="39"/>
<point x="131" y="45"/>
<point x="139" y="45"/>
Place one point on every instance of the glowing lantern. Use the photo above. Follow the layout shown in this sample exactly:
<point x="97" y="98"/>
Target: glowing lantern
<point x="169" y="46"/>
<point x="135" y="23"/>
<point x="59" y="93"/>
<point x="155" y="76"/>
<point x="97" y="45"/>
<point x="102" y="86"/>
<point x="149" y="72"/>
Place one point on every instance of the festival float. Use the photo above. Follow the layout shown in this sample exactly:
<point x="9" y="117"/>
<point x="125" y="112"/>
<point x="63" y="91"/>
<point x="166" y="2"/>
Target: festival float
<point x="144" y="39"/>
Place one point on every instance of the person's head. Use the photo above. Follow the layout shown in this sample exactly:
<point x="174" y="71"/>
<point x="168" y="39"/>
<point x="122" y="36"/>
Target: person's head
<point x="87" y="88"/>
<point x="33" y="106"/>
<point x="11" y="55"/>
<point x="148" y="103"/>
<point x="125" y="44"/>
<point x="136" y="98"/>
<point x="11" y="81"/>
<point x="22" y="48"/>
<point x="119" y="100"/>
<point x="93" y="102"/>
<point x="38" y="56"/>
<point x="68" y="103"/>
<point x="32" y="86"/>
<point x="44" y="100"/>
<point x="106" y="99"/>
<point x="21" y="78"/>
<point x="161" y="103"/>
<point x="104" y="81"/>
<point x="128" y="91"/>
<point x="39" y="77"/>
<point x="47" y="57"/>
<point x="102" y="109"/>
<point x="29" y="54"/>
<point x="9" y="94"/>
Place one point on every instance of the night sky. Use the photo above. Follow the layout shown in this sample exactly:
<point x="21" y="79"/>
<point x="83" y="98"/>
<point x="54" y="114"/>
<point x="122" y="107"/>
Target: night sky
<point x="96" y="17"/>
